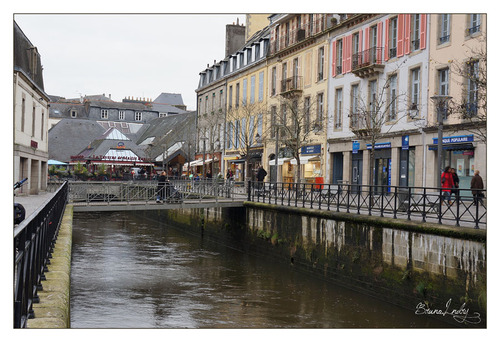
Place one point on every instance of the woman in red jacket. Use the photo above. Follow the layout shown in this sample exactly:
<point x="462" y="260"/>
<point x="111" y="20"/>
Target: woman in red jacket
<point x="447" y="183"/>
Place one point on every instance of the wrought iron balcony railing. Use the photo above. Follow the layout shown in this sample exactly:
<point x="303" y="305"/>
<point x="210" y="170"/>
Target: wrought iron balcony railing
<point x="291" y="84"/>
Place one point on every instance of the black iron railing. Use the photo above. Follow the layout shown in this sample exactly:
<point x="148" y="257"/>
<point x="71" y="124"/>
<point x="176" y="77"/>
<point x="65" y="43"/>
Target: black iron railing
<point x="411" y="203"/>
<point x="34" y="240"/>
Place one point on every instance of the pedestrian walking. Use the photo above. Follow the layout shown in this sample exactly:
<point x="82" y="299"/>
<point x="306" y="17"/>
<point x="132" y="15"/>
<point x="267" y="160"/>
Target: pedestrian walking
<point x="447" y="184"/>
<point x="456" y="180"/>
<point x="161" y="187"/>
<point x="261" y="174"/>
<point x="209" y="174"/>
<point x="476" y="185"/>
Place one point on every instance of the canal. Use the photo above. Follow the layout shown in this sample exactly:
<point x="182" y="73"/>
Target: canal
<point x="128" y="272"/>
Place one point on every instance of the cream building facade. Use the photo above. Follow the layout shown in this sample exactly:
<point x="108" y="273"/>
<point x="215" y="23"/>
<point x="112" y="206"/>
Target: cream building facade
<point x="30" y="117"/>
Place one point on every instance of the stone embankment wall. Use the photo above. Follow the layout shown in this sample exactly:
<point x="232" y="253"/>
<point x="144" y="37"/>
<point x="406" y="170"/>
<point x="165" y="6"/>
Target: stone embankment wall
<point x="406" y="264"/>
<point x="53" y="311"/>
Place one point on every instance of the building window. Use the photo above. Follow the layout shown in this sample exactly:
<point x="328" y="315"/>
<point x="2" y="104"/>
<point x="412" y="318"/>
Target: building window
<point x="261" y="86"/>
<point x="213" y="101"/>
<point x="162" y="115"/>
<point x="319" y="114"/>
<point x="33" y="118"/>
<point x="443" y="79"/>
<point x="237" y="99"/>
<point x="307" y="113"/>
<point x="415" y="87"/>
<point x="372" y="100"/>
<point x="73" y="113"/>
<point x="354" y="105"/>
<point x="257" y="51"/>
<point x="321" y="62"/>
<point x="138" y="116"/>
<point x="104" y="114"/>
<point x="472" y="87"/>
<point x="444" y="28"/>
<point x="415" y="32"/>
<point x="392" y="98"/>
<point x="244" y="94"/>
<point x="373" y="37"/>
<point x="393" y="37"/>
<point x="252" y="89"/>
<point x="474" y="23"/>
<point x="355" y="43"/>
<point x="283" y="77"/>
<point x="338" y="108"/>
<point x="249" y="55"/>
<point x="23" y="113"/>
<point x="273" y="121"/>
<point x="221" y="94"/>
<point x="273" y="81"/>
<point x="230" y="97"/>
<point x="121" y="115"/>
<point x="338" y="54"/>
<point x="242" y="59"/>
<point x="43" y="121"/>
<point x="235" y="63"/>
<point x="206" y="104"/>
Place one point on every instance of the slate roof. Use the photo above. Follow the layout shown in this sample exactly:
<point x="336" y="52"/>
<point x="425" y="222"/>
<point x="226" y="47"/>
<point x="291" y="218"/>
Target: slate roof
<point x="26" y="56"/>
<point x="168" y="130"/>
<point x="170" y="99"/>
<point x="70" y="136"/>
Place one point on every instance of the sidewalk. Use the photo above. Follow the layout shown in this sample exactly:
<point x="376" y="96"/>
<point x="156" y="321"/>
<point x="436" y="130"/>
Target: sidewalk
<point x="32" y="203"/>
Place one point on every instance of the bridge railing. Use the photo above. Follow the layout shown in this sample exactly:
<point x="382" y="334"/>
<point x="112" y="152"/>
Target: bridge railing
<point x="461" y="208"/>
<point x="34" y="240"/>
<point x="174" y="191"/>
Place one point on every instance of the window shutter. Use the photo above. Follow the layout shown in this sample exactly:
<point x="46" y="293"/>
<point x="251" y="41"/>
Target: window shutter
<point x="407" y="33"/>
<point x="334" y="57"/>
<point x="344" y="54"/>
<point x="380" y="30"/>
<point x="367" y="39"/>
<point x="400" y="46"/>
<point x="360" y="45"/>
<point x="386" y="45"/>
<point x="348" y="62"/>
<point x="423" y="31"/>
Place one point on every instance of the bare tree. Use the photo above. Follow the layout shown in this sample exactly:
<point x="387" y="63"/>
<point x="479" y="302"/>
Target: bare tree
<point x="382" y="110"/>
<point x="471" y="106"/>
<point x="211" y="128"/>
<point x="300" y="120"/>
<point x="245" y="129"/>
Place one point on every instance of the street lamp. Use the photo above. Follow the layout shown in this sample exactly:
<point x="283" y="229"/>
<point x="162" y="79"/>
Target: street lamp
<point x="204" y="152"/>
<point x="441" y="102"/>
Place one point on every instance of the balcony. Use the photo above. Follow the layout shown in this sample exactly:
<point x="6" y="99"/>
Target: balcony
<point x="291" y="86"/>
<point x="361" y="124"/>
<point x="368" y="62"/>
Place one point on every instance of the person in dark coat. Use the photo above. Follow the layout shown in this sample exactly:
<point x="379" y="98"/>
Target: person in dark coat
<point x="476" y="184"/>
<point x="447" y="184"/>
<point x="261" y="174"/>
<point x="456" y="180"/>
<point x="161" y="187"/>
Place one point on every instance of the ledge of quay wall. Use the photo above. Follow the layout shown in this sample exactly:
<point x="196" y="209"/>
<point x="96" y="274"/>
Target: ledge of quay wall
<point x="53" y="311"/>
<point x="472" y="234"/>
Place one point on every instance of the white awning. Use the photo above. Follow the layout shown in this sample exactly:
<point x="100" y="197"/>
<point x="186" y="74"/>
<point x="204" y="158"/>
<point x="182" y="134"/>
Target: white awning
<point x="280" y="161"/>
<point x="304" y="159"/>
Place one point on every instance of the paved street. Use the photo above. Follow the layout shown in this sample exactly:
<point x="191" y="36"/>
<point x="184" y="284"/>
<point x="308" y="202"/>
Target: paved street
<point x="33" y="202"/>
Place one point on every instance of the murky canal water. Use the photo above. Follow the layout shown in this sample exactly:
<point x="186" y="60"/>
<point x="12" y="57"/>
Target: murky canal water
<point x="130" y="273"/>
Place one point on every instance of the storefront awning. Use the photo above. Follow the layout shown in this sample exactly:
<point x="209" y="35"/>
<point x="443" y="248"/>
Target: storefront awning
<point x="280" y="161"/>
<point x="305" y="159"/>
<point x="453" y="147"/>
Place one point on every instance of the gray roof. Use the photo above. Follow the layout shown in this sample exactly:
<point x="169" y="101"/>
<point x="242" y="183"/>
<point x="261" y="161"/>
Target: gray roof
<point x="166" y="108"/>
<point x="24" y="52"/>
<point x="70" y="136"/>
<point x="170" y="99"/>
<point x="167" y="130"/>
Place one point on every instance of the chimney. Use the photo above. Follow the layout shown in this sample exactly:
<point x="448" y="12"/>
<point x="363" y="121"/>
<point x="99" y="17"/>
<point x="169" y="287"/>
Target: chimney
<point x="109" y="96"/>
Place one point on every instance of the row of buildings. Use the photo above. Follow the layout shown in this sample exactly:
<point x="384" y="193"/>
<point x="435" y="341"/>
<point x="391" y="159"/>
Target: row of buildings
<point x="92" y="133"/>
<point x="329" y="97"/>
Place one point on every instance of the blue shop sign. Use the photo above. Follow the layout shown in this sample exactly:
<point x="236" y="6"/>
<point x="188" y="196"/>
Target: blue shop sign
<point x="355" y="146"/>
<point x="405" y="144"/>
<point x="454" y="140"/>
<point x="379" y="146"/>
<point x="314" y="149"/>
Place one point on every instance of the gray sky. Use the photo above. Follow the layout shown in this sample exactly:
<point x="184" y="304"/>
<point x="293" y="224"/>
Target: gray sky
<point x="139" y="55"/>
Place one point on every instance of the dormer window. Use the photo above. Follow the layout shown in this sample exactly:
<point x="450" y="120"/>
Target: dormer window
<point x="138" y="116"/>
<point x="73" y="113"/>
<point x="104" y="114"/>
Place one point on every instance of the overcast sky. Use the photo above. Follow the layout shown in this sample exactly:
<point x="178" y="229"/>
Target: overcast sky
<point x="139" y="55"/>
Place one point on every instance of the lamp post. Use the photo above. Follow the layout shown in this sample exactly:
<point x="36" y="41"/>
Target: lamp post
<point x="276" y="153"/>
<point x="441" y="102"/>
<point x="204" y="152"/>
<point x="163" y="159"/>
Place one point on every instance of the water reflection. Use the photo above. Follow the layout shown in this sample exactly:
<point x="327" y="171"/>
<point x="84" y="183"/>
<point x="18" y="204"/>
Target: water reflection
<point x="128" y="273"/>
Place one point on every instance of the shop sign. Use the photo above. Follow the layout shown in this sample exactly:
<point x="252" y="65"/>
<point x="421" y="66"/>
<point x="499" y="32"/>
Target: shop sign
<point x="355" y="146"/>
<point x="405" y="144"/>
<point x="314" y="149"/>
<point x="121" y="144"/>
<point x="379" y="146"/>
<point x="457" y="139"/>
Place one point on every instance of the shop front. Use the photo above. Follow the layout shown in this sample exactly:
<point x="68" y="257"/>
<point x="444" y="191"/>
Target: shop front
<point x="310" y="163"/>
<point x="459" y="153"/>
<point x="383" y="167"/>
